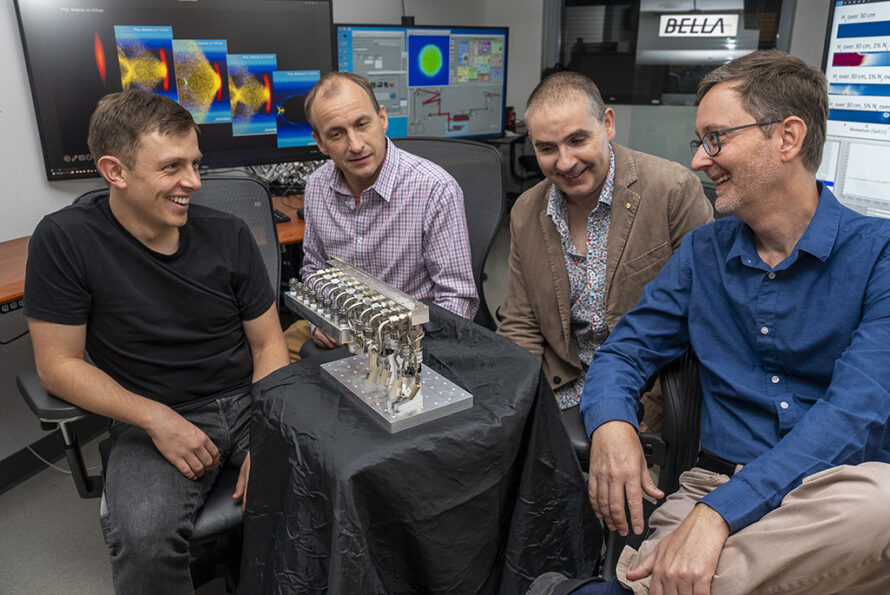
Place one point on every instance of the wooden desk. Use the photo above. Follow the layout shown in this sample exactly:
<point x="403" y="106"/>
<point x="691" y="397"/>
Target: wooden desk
<point x="290" y="232"/>
<point x="13" y="255"/>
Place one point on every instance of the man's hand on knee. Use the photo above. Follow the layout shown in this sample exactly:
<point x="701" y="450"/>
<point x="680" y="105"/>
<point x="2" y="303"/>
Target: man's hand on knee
<point x="323" y="340"/>
<point x="619" y="475"/>
<point x="241" y="484"/>
<point x="685" y="561"/>
<point x="182" y="443"/>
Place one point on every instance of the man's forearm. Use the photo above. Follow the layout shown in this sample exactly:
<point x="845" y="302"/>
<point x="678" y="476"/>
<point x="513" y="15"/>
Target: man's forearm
<point x="269" y="357"/>
<point x="86" y="386"/>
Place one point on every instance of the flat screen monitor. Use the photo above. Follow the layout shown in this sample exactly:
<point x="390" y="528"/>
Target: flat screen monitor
<point x="433" y="81"/>
<point x="241" y="67"/>
<point x="857" y="65"/>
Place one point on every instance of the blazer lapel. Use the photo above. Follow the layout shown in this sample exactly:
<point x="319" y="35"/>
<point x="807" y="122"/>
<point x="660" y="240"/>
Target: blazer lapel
<point x="560" y="279"/>
<point x="625" y="202"/>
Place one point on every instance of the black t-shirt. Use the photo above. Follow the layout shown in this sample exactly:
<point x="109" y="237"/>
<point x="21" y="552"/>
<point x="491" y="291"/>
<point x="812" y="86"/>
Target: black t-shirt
<point x="168" y="328"/>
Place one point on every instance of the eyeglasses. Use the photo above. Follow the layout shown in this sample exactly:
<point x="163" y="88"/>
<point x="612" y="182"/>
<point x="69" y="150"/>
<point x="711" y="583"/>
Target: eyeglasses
<point x="711" y="140"/>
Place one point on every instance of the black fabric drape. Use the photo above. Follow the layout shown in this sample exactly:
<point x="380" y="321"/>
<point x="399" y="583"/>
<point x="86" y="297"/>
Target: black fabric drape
<point x="481" y="501"/>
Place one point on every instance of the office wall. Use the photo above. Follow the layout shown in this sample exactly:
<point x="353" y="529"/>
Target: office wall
<point x="25" y="194"/>
<point x="524" y="17"/>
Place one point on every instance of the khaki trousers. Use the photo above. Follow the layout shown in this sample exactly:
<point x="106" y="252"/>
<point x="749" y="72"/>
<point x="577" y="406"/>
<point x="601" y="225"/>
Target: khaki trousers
<point x="295" y="337"/>
<point x="829" y="535"/>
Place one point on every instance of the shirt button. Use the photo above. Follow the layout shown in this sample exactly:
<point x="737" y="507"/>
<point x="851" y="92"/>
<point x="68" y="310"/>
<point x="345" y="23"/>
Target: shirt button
<point x="772" y="275"/>
<point x="557" y="380"/>
<point x="784" y="404"/>
<point x="775" y="379"/>
<point x="627" y="205"/>
<point x="764" y="330"/>
<point x="359" y="239"/>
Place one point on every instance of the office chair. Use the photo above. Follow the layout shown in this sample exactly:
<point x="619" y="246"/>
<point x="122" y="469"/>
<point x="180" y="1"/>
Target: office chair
<point x="479" y="171"/>
<point x="215" y="542"/>
<point x="673" y="451"/>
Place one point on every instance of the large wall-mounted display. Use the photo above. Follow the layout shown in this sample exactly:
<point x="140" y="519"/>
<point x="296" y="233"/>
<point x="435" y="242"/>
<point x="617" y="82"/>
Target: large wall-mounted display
<point x="654" y="52"/>
<point x="857" y="65"/>
<point x="241" y="67"/>
<point x="433" y="81"/>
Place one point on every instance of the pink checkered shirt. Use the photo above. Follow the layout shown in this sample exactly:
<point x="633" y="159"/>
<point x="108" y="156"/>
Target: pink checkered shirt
<point x="409" y="229"/>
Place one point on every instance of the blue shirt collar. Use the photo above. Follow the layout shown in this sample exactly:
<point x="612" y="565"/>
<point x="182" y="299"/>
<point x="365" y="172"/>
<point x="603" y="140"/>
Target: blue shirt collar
<point x="817" y="240"/>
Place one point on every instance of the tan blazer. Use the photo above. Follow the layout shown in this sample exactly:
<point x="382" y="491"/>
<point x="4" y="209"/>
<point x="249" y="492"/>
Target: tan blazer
<point x="655" y="202"/>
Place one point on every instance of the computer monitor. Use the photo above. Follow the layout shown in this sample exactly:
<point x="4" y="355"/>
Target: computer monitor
<point x="857" y="65"/>
<point x="241" y="67"/>
<point x="433" y="81"/>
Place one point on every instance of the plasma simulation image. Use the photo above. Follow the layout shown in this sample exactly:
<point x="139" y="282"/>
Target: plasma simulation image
<point x="145" y="56"/>
<point x="250" y="93"/>
<point x="290" y="90"/>
<point x="202" y="79"/>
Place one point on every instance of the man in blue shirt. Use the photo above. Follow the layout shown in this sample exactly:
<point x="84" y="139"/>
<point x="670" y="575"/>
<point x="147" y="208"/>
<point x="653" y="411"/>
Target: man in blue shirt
<point x="787" y="305"/>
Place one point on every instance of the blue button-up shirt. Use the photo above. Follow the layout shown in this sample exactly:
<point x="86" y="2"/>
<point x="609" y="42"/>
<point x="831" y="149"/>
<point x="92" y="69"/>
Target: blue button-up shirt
<point x="795" y="359"/>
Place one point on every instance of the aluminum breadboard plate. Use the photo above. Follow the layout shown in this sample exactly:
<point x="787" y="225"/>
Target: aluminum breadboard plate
<point x="440" y="396"/>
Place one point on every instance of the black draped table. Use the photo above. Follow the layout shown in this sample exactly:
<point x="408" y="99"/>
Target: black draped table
<point x="480" y="501"/>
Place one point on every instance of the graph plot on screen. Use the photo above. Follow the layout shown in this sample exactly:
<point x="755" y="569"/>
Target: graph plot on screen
<point x="857" y="67"/>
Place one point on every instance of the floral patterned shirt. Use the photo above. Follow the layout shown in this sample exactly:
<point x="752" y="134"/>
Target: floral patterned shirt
<point x="587" y="279"/>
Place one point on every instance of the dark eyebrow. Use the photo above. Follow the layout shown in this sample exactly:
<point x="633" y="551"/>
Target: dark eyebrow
<point x="577" y="132"/>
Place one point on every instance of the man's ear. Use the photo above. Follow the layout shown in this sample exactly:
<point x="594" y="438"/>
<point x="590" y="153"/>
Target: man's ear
<point x="793" y="131"/>
<point x="319" y="143"/>
<point x="384" y="119"/>
<point x="113" y="170"/>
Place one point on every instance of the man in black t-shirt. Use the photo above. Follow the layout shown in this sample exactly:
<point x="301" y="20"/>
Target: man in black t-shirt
<point x="173" y="304"/>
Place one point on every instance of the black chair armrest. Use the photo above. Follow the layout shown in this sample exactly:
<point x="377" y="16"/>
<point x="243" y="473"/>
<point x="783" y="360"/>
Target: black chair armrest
<point x="682" y="394"/>
<point x="573" y="422"/>
<point x="54" y="412"/>
<point x="45" y="406"/>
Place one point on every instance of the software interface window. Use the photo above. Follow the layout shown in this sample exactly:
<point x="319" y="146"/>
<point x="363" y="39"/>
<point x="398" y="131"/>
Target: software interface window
<point x="433" y="82"/>
<point x="857" y="66"/>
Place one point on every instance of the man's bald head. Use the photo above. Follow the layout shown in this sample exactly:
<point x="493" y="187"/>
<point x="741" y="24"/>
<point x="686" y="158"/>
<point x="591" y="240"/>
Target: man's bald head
<point x="563" y="87"/>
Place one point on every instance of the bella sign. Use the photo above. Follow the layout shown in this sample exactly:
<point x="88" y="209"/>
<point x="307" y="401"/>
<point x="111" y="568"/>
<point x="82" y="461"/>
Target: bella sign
<point x="699" y="25"/>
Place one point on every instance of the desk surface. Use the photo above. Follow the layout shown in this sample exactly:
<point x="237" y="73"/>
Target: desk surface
<point x="13" y="255"/>
<point x="475" y="502"/>
<point x="290" y="232"/>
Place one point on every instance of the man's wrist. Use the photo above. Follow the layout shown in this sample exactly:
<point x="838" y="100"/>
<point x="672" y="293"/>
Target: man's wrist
<point x="710" y="518"/>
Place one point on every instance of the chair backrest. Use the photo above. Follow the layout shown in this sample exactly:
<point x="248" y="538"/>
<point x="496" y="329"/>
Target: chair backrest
<point x="681" y="394"/>
<point x="245" y="197"/>
<point x="479" y="171"/>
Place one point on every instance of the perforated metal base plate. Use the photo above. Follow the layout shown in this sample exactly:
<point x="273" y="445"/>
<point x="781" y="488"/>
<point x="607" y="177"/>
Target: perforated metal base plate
<point x="440" y="396"/>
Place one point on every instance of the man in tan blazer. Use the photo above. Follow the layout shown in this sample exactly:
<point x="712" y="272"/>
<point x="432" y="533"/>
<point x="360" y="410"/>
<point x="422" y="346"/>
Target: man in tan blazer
<point x="585" y="241"/>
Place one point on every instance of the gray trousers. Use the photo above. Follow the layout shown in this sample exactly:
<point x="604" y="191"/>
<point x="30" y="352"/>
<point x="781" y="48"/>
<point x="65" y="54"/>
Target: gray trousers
<point x="830" y="535"/>
<point x="149" y="506"/>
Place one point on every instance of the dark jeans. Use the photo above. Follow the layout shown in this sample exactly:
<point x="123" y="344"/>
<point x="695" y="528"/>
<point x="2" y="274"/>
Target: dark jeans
<point x="149" y="507"/>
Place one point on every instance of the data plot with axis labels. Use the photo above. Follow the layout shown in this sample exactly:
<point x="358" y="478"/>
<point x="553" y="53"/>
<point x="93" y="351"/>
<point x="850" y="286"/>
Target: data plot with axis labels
<point x="202" y="79"/>
<point x="867" y="174"/>
<point x="290" y="90"/>
<point x="145" y="56"/>
<point x="250" y="92"/>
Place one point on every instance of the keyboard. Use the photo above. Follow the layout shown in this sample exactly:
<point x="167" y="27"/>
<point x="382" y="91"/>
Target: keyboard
<point x="279" y="217"/>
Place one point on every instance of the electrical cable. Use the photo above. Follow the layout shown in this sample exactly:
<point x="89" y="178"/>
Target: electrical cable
<point x="59" y="469"/>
